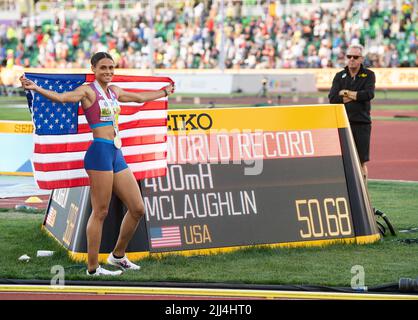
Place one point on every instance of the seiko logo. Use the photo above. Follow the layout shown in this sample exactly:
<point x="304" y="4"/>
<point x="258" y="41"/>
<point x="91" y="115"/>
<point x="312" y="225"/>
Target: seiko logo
<point x="186" y="122"/>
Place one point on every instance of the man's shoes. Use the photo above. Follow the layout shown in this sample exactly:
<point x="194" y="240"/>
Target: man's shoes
<point x="103" y="272"/>
<point x="122" y="263"/>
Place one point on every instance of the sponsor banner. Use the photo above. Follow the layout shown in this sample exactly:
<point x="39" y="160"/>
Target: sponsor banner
<point x="16" y="127"/>
<point x="386" y="78"/>
<point x="278" y="118"/>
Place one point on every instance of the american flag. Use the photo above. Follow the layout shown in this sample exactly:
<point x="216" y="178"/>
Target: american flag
<point x="165" y="237"/>
<point x="62" y="134"/>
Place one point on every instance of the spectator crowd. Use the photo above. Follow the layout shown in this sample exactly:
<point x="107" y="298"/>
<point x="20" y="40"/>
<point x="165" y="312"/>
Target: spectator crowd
<point x="188" y="34"/>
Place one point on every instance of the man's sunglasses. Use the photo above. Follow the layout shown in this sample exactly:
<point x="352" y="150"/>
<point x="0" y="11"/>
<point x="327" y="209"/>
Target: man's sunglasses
<point x="349" y="56"/>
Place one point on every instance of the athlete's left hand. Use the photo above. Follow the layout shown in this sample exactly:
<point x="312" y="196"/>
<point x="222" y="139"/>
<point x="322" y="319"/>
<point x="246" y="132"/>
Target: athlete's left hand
<point x="170" y="88"/>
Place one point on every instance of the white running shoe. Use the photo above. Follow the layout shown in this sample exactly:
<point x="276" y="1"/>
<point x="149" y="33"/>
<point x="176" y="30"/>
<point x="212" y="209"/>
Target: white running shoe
<point x="103" y="272"/>
<point x="122" y="263"/>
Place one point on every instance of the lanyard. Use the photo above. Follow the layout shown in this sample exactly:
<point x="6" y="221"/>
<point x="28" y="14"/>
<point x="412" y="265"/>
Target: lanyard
<point x="117" y="141"/>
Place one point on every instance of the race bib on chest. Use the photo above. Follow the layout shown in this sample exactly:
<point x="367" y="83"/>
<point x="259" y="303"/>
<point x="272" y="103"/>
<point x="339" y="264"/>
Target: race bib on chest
<point x="105" y="110"/>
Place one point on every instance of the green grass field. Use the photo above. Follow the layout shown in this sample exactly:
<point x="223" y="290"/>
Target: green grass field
<point x="383" y="262"/>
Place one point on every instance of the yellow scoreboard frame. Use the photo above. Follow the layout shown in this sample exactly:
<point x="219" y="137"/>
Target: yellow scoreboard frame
<point x="242" y="177"/>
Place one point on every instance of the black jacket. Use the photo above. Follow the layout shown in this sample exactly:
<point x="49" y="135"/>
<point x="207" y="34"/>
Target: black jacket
<point x="364" y="83"/>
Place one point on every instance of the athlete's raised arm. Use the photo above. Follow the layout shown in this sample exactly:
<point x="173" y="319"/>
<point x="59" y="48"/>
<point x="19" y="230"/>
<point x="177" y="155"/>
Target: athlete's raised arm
<point x="69" y="96"/>
<point x="126" y="96"/>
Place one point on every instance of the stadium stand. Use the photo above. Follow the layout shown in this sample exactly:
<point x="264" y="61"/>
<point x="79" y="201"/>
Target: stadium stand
<point x="187" y="34"/>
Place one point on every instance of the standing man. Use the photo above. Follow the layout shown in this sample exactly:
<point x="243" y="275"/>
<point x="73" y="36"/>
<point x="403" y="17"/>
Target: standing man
<point x="354" y="86"/>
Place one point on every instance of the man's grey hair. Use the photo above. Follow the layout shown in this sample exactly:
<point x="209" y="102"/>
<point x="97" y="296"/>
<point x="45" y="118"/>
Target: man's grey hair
<point x="357" y="46"/>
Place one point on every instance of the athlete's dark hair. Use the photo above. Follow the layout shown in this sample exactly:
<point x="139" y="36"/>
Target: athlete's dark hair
<point x="99" y="56"/>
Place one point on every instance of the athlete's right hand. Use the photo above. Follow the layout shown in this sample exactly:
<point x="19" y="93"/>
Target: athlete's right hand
<point x="170" y="88"/>
<point x="27" y="84"/>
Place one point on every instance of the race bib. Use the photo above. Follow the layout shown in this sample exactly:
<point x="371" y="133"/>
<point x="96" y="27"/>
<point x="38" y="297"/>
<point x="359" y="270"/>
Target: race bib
<point x="105" y="111"/>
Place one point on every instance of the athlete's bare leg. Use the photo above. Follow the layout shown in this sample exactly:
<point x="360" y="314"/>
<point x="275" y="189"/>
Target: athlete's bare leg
<point x="126" y="188"/>
<point x="101" y="183"/>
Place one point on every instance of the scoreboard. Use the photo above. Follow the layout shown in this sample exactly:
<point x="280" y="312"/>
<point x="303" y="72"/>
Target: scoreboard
<point x="259" y="176"/>
<point x="237" y="177"/>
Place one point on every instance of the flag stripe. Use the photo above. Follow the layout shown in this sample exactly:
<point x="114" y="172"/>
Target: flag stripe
<point x="82" y="146"/>
<point x="131" y="108"/>
<point x="67" y="147"/>
<point x="132" y="141"/>
<point x="72" y="156"/>
<point x="56" y="166"/>
<point x="84" y="128"/>
<point x="140" y="115"/>
<point x="145" y="79"/>
<point x="166" y="245"/>
<point x="155" y="244"/>
<point x="81" y="173"/>
<point x="79" y="182"/>
<point x="165" y="237"/>
<point x="146" y="157"/>
<point x="79" y="164"/>
<point x="143" y="123"/>
<point x="161" y="130"/>
<point x="67" y="183"/>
